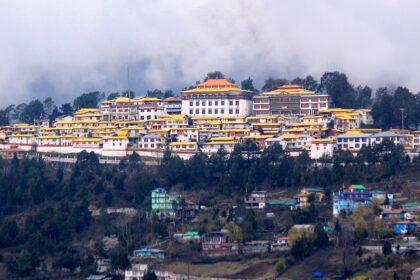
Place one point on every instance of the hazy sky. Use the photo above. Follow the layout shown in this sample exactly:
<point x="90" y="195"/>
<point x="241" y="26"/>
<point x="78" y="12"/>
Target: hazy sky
<point x="64" y="48"/>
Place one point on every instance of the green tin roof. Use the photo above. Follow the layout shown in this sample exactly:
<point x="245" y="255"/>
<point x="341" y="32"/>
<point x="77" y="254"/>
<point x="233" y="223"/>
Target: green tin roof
<point x="314" y="189"/>
<point x="191" y="233"/>
<point x="411" y="204"/>
<point x="358" y="187"/>
<point x="287" y="202"/>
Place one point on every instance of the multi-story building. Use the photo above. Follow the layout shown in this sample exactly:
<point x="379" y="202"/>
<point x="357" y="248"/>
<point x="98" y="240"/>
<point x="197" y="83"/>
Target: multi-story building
<point x="350" y="197"/>
<point x="217" y="97"/>
<point x="219" y="244"/>
<point x="138" y="108"/>
<point x="164" y="203"/>
<point x="290" y="100"/>
<point x="256" y="200"/>
<point x="172" y="105"/>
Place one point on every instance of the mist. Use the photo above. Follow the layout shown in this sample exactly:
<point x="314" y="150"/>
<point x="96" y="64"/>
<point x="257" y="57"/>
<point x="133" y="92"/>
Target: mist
<point x="64" y="48"/>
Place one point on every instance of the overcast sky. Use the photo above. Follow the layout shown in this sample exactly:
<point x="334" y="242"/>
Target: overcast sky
<point x="64" y="48"/>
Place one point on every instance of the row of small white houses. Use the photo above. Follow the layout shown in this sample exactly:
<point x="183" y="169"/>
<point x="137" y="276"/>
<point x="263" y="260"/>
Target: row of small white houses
<point x="154" y="144"/>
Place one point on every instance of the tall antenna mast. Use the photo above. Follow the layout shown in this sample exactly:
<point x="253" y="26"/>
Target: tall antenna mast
<point x="128" y="82"/>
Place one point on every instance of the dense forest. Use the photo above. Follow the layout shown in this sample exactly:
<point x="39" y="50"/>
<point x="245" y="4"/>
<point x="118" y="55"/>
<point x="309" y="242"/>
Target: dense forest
<point x="386" y="102"/>
<point x="45" y="214"/>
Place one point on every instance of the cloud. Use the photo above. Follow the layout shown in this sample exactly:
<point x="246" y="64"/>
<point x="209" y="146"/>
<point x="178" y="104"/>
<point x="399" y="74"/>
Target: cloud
<point x="64" y="48"/>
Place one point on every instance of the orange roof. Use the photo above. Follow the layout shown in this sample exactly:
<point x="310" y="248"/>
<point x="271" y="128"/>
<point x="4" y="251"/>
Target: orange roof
<point x="216" y="83"/>
<point x="290" y="86"/>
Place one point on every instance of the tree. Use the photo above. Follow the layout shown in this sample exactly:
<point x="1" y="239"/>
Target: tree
<point x="168" y="93"/>
<point x="66" y="109"/>
<point x="129" y="94"/>
<point x="271" y="84"/>
<point x="150" y="275"/>
<point x="308" y="83"/>
<point x="113" y="95"/>
<point x="363" y="96"/>
<point x="119" y="258"/>
<point x="301" y="248"/>
<point x="155" y="93"/>
<point x="386" y="248"/>
<point x="34" y="110"/>
<point x="49" y="106"/>
<point x="24" y="264"/>
<point x="321" y="237"/>
<point x="214" y="75"/>
<point x="234" y="232"/>
<point x="88" y="100"/>
<point x="248" y="85"/>
<point x="339" y="88"/>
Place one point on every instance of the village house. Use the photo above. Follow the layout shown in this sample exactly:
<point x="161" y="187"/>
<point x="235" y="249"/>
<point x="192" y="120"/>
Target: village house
<point x="280" y="243"/>
<point x="188" y="236"/>
<point x="256" y="247"/>
<point x="256" y="199"/>
<point x="218" y="244"/>
<point x="320" y="148"/>
<point x="350" y="197"/>
<point x="305" y="194"/>
<point x="151" y="142"/>
<point x="147" y="253"/>
<point x="164" y="204"/>
<point x="216" y="97"/>
<point x="404" y="227"/>
<point x="136" y="272"/>
<point x="290" y="100"/>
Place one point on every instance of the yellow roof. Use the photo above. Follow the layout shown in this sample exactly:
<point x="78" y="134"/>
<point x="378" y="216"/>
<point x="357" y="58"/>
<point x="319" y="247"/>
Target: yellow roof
<point x="334" y="110"/>
<point x="182" y="143"/>
<point x="87" y="139"/>
<point x="262" y="117"/>
<point x="122" y="133"/>
<point x="115" y="137"/>
<point x="158" y="131"/>
<point x="312" y="117"/>
<point x="290" y="136"/>
<point x="220" y="143"/>
<point x="21" y="135"/>
<point x="215" y="85"/>
<point x="223" y="138"/>
<point x="49" y="137"/>
<point x="289" y="89"/>
<point x="266" y="124"/>
<point x="264" y="136"/>
<point x="306" y="124"/>
<point x="322" y="140"/>
<point x="232" y="130"/>
<point x="146" y="98"/>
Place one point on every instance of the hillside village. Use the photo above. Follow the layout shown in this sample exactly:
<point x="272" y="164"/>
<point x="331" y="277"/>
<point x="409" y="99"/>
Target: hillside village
<point x="330" y="184"/>
<point x="214" y="115"/>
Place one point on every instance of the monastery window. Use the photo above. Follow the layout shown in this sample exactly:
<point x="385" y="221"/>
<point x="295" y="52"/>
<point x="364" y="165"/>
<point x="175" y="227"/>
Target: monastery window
<point x="216" y="103"/>
<point x="231" y="103"/>
<point x="222" y="103"/>
<point x="222" y="111"/>
<point x="230" y="111"/>
<point x="203" y="103"/>
<point x="191" y="112"/>
<point x="197" y="111"/>
<point x="237" y="102"/>
<point x="191" y="103"/>
<point x="216" y="111"/>
<point x="237" y="111"/>
<point x="197" y="103"/>
<point x="210" y="111"/>
<point x="210" y="103"/>
<point x="203" y="111"/>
